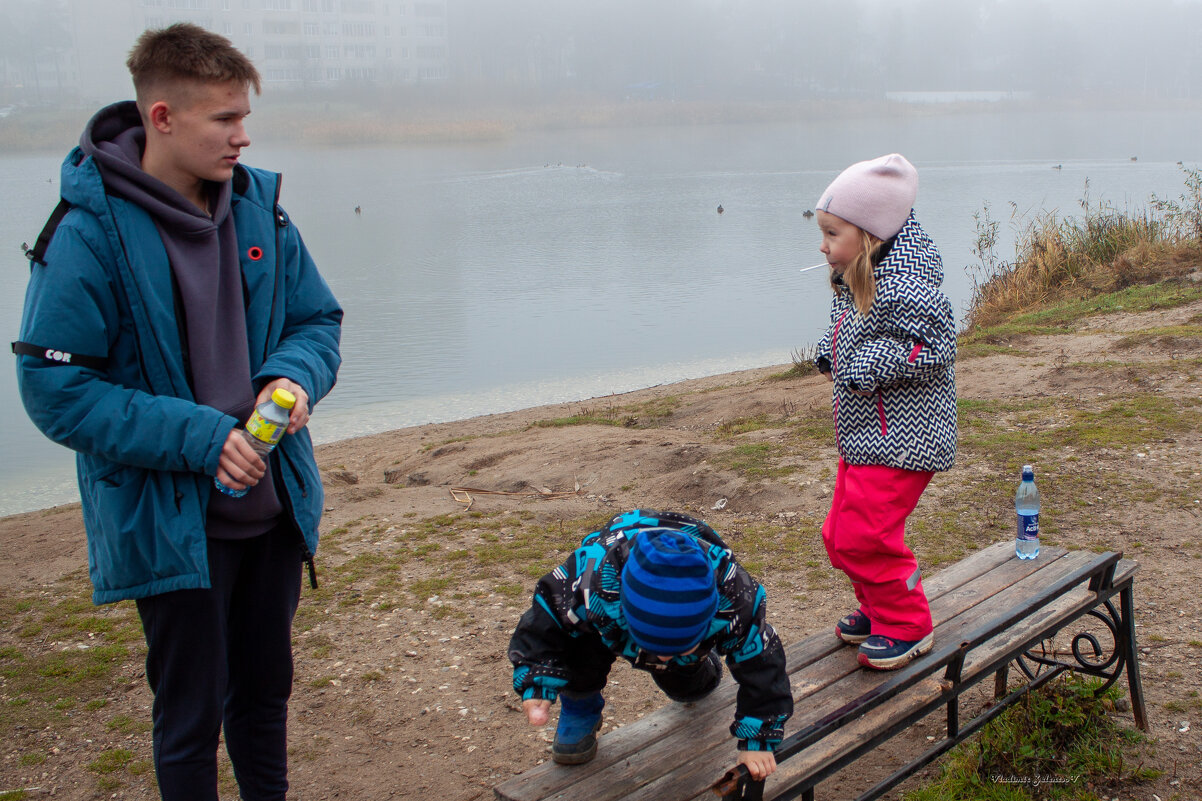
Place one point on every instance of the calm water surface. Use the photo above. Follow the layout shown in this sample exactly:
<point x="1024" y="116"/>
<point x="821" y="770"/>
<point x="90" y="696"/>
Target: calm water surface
<point x="567" y="265"/>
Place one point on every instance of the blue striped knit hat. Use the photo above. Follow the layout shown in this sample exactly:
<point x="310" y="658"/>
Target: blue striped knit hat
<point x="668" y="591"/>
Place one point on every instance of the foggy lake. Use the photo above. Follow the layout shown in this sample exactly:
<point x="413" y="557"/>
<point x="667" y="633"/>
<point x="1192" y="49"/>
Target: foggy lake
<point x="572" y="264"/>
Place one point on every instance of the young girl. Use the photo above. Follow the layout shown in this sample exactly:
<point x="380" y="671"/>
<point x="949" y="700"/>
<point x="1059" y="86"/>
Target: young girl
<point x="890" y="351"/>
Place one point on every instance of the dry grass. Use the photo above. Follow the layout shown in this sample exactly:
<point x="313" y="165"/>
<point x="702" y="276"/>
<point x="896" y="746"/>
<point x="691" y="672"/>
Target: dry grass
<point x="1106" y="250"/>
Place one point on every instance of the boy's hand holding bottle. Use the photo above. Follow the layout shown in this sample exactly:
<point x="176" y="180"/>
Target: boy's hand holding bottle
<point x="241" y="464"/>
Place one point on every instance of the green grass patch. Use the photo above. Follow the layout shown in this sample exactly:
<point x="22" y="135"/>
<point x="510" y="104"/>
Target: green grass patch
<point x="1065" y="316"/>
<point x="756" y="460"/>
<point x="633" y="415"/>
<point x="814" y="428"/>
<point x="745" y="425"/>
<point x="111" y="761"/>
<point x="777" y="547"/>
<point x="1041" y="424"/>
<point x="1056" y="743"/>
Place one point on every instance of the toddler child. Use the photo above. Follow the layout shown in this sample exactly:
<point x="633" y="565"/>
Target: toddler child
<point x="661" y="590"/>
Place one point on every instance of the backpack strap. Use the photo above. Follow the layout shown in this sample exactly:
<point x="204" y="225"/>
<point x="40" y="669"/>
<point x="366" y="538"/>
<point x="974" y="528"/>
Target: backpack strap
<point x="37" y="253"/>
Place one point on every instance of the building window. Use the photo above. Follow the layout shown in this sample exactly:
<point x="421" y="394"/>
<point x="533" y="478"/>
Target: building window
<point x="248" y="28"/>
<point x="227" y="28"/>
<point x="332" y="51"/>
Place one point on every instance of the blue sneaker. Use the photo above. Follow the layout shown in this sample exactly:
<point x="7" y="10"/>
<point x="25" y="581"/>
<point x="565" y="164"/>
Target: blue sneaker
<point x="854" y="628"/>
<point x="576" y="735"/>
<point x="885" y="653"/>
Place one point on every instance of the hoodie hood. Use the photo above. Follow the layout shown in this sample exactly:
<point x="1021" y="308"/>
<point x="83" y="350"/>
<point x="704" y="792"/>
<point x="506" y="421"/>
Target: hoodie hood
<point x="912" y="254"/>
<point x="115" y="139"/>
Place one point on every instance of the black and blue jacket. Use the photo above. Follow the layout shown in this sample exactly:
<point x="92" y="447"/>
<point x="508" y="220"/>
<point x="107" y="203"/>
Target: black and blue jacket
<point x="580" y="598"/>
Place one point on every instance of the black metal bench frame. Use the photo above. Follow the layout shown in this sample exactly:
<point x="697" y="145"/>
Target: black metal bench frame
<point x="1038" y="666"/>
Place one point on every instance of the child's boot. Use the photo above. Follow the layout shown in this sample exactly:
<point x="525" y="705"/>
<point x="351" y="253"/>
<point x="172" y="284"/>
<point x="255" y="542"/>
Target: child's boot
<point x="576" y="734"/>
<point x="885" y="653"/>
<point x="854" y="628"/>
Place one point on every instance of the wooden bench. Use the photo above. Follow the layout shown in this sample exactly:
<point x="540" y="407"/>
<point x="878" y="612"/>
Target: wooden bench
<point x="1046" y="615"/>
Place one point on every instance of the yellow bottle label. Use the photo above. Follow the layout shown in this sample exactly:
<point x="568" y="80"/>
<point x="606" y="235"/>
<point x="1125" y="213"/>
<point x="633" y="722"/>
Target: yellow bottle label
<point x="262" y="429"/>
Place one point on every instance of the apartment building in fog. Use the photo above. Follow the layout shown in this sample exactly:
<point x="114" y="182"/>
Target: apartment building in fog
<point x="77" y="49"/>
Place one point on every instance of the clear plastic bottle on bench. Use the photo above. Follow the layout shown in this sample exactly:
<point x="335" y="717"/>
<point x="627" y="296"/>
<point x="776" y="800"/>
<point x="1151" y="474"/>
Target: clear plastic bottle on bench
<point x="1026" y="505"/>
<point x="264" y="429"/>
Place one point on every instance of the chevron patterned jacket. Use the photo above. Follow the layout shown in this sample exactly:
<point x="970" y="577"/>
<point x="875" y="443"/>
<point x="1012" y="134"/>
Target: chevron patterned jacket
<point x="894" y="395"/>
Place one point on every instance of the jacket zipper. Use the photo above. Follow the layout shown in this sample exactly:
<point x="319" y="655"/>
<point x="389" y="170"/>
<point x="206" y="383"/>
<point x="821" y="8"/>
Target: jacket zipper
<point x="306" y="555"/>
<point x="834" y="374"/>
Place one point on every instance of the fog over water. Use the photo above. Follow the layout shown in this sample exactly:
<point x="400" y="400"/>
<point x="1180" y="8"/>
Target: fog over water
<point x="578" y="257"/>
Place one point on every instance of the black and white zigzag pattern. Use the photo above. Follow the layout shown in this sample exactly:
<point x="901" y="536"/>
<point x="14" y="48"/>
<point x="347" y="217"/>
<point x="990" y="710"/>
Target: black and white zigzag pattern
<point x="903" y="352"/>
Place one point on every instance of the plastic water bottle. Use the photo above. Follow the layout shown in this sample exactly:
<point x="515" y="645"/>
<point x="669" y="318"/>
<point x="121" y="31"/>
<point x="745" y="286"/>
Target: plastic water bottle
<point x="1026" y="504"/>
<point x="263" y="431"/>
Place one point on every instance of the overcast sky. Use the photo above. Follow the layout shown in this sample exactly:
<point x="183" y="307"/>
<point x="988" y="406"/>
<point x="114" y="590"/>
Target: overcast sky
<point x="760" y="49"/>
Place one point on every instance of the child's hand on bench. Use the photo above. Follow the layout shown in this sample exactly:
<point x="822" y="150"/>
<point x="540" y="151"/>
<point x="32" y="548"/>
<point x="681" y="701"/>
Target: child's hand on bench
<point x="538" y="711"/>
<point x="761" y="764"/>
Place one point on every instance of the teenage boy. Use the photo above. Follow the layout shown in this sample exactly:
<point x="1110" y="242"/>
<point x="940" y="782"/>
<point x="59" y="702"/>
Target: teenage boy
<point x="661" y="590"/>
<point x="174" y="296"/>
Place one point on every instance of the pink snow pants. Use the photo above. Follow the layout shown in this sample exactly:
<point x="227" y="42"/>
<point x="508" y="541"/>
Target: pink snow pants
<point x="864" y="537"/>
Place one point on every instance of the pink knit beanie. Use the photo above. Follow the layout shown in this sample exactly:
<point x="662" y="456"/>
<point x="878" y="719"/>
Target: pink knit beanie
<point x="874" y="195"/>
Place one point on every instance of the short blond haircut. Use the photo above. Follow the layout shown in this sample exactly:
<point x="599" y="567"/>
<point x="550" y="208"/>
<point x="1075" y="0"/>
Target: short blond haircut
<point x="184" y="54"/>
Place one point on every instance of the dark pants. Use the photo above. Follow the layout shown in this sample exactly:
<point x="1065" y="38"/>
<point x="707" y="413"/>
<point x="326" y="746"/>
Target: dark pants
<point x="589" y="662"/>
<point x="223" y="657"/>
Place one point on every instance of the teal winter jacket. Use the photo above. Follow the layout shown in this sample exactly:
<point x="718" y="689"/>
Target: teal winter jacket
<point x="146" y="452"/>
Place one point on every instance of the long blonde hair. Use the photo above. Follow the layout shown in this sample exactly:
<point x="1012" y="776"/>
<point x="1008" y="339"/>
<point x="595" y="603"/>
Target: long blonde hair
<point x="859" y="277"/>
